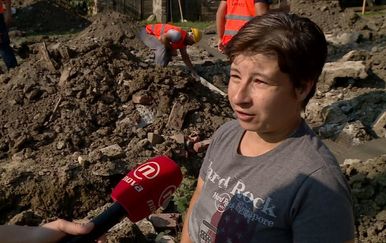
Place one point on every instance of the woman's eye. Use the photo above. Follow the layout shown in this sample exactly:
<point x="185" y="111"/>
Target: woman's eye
<point x="258" y="81"/>
<point x="234" y="76"/>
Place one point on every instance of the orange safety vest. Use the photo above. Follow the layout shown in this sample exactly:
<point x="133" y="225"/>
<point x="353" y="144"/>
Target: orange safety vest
<point x="238" y="13"/>
<point x="159" y="29"/>
<point x="2" y="9"/>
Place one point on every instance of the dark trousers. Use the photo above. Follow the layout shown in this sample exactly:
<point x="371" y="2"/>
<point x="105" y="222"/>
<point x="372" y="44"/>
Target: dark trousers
<point x="162" y="55"/>
<point x="6" y="51"/>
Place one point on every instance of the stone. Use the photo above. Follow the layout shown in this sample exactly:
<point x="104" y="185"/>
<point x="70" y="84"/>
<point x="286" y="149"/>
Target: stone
<point x="379" y="126"/>
<point x="381" y="216"/>
<point x="353" y="134"/>
<point x="177" y="116"/>
<point x="354" y="55"/>
<point x="146" y="115"/>
<point x="202" y="145"/>
<point x="26" y="218"/>
<point x="342" y="39"/>
<point x="82" y="160"/>
<point x="179" y="138"/>
<point x="164" y="220"/>
<point x="351" y="161"/>
<point x="112" y="150"/>
<point x="64" y="76"/>
<point x="142" y="99"/>
<point x="155" y="138"/>
<point x="333" y="114"/>
<point x="333" y="70"/>
<point x="60" y="145"/>
<point x="146" y="227"/>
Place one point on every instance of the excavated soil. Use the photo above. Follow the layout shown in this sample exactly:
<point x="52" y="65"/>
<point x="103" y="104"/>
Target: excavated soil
<point x="71" y="126"/>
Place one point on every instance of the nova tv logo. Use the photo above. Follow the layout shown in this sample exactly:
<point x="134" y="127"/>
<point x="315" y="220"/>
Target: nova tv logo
<point x="148" y="170"/>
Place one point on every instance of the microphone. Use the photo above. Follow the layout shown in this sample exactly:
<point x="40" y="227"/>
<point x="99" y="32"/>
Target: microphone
<point x="144" y="189"/>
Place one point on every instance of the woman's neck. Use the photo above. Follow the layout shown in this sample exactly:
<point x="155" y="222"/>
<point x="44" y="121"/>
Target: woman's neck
<point x="254" y="143"/>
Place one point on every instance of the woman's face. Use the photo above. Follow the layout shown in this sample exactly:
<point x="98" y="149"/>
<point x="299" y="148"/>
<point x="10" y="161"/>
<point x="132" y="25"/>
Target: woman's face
<point x="262" y="96"/>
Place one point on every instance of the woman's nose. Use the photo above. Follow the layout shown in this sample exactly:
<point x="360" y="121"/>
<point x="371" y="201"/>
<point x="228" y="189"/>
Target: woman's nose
<point x="242" y="94"/>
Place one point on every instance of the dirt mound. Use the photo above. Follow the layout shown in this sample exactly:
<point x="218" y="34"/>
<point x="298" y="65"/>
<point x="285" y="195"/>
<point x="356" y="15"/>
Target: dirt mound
<point x="333" y="19"/>
<point x="109" y="26"/>
<point x="70" y="100"/>
<point x="42" y="17"/>
<point x="368" y="182"/>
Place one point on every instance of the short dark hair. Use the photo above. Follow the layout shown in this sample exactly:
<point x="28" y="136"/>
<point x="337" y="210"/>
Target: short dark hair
<point x="298" y="43"/>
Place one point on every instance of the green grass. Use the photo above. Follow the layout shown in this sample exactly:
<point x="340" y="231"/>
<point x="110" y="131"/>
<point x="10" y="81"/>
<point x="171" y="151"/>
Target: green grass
<point x="371" y="13"/>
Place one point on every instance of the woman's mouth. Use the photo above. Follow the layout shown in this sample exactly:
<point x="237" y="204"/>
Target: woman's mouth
<point x="244" y="116"/>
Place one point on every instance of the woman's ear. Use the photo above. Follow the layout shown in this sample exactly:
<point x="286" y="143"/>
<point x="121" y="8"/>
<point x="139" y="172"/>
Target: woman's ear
<point x="303" y="91"/>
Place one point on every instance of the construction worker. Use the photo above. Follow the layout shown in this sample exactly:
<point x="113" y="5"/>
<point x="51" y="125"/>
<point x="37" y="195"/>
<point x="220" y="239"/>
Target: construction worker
<point x="165" y="39"/>
<point x="5" y="21"/>
<point x="233" y="14"/>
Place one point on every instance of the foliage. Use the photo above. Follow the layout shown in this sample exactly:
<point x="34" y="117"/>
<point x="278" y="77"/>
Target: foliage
<point x="184" y="193"/>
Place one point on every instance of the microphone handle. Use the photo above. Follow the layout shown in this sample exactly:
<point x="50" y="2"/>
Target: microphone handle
<point x="102" y="223"/>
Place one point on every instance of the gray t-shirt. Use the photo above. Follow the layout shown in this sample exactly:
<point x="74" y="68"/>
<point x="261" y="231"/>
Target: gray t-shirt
<point x="293" y="193"/>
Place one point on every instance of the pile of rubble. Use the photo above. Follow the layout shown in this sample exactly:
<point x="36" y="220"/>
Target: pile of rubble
<point x="78" y="114"/>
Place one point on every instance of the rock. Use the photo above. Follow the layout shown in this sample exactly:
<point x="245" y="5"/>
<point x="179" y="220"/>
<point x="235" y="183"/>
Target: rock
<point x="329" y="130"/>
<point x="354" y="55"/>
<point x="112" y="151"/>
<point x="342" y="39"/>
<point x="379" y="126"/>
<point x="26" y="218"/>
<point x="146" y="227"/>
<point x="83" y="159"/>
<point x="334" y="70"/>
<point x="333" y="114"/>
<point x="381" y="216"/>
<point x="142" y="99"/>
<point x="164" y="220"/>
<point x="60" y="145"/>
<point x="201" y="146"/>
<point x="179" y="138"/>
<point x="146" y="115"/>
<point x="177" y="116"/>
<point x="64" y="76"/>
<point x="353" y="134"/>
<point x="155" y="138"/>
<point x="351" y="161"/>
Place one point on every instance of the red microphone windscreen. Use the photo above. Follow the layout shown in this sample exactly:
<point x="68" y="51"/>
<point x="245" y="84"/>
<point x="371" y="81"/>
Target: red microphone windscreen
<point x="147" y="187"/>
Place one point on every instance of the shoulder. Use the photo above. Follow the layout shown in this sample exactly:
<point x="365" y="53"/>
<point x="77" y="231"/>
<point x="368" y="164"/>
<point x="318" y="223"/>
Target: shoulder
<point x="306" y="145"/>
<point x="225" y="134"/>
<point x="313" y="157"/>
<point x="228" y="127"/>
